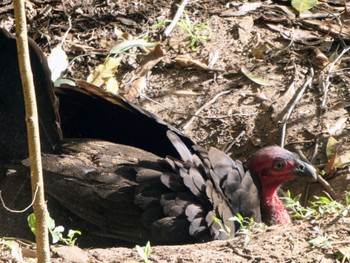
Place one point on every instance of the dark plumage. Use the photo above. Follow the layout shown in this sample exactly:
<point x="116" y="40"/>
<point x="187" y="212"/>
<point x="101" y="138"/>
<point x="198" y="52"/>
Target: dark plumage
<point x="136" y="195"/>
<point x="89" y="112"/>
<point x="13" y="135"/>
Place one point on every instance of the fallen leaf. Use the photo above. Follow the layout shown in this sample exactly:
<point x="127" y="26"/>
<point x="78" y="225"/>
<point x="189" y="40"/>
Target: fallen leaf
<point x="139" y="83"/>
<point x="242" y="10"/>
<point x="342" y="160"/>
<point x="336" y="160"/>
<point x="127" y="44"/>
<point x="104" y="72"/>
<point x="337" y="126"/>
<point x="330" y="166"/>
<point x="319" y="59"/>
<point x="186" y="60"/>
<point x="332" y="147"/>
<point x="256" y="79"/>
<point x="343" y="253"/>
<point x="137" y="87"/>
<point x="304" y="5"/>
<point x="58" y="62"/>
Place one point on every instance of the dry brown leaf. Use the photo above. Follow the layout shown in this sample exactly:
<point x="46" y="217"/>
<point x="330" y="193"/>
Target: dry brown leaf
<point x="186" y="60"/>
<point x="319" y="59"/>
<point x="256" y="79"/>
<point x="137" y="86"/>
<point x="334" y="29"/>
<point x="336" y="160"/>
<point x="242" y="10"/>
<point x="338" y="126"/>
<point x="298" y="35"/>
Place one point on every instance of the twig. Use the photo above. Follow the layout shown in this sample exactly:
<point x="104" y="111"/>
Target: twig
<point x="37" y="182"/>
<point x="320" y="179"/>
<point x="314" y="155"/>
<point x="295" y="102"/>
<point x="176" y="18"/>
<point x="236" y="140"/>
<point x="326" y="83"/>
<point x="327" y="187"/>
<point x="186" y="114"/>
<point x="211" y="101"/>
<point x="19" y="211"/>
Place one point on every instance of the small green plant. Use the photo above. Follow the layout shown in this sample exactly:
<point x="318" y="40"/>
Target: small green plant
<point x="320" y="241"/>
<point x="296" y="209"/>
<point x="144" y="253"/>
<point x="320" y="207"/>
<point x="326" y="205"/>
<point x="223" y="227"/>
<point x="246" y="226"/>
<point x="198" y="32"/>
<point x="5" y="243"/>
<point x="56" y="232"/>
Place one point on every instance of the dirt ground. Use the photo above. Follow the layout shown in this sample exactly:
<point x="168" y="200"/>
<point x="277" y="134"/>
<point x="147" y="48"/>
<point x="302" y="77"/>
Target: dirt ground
<point x="265" y="57"/>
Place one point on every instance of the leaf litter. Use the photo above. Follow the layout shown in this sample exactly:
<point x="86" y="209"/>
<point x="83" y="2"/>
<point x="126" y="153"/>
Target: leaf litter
<point x="281" y="54"/>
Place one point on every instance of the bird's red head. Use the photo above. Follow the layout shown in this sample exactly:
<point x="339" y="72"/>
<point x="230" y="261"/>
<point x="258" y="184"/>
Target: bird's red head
<point x="274" y="165"/>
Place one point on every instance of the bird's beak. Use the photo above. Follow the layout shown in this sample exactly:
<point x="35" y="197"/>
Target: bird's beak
<point x="304" y="170"/>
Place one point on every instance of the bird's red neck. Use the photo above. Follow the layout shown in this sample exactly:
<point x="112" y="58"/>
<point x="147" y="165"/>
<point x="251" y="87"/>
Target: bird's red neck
<point x="273" y="211"/>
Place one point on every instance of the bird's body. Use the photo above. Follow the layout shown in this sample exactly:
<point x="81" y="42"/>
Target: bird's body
<point x="168" y="190"/>
<point x="136" y="196"/>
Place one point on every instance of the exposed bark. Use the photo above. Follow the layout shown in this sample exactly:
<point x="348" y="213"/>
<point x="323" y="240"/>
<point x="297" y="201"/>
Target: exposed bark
<point x="40" y="209"/>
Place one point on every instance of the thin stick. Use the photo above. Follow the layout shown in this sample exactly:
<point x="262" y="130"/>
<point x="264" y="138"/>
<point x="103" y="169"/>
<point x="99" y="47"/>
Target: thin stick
<point x="330" y="72"/>
<point x="327" y="187"/>
<point x="39" y="206"/>
<point x="320" y="179"/>
<point x="236" y="140"/>
<point x="18" y="211"/>
<point x="176" y="18"/>
<point x="211" y="101"/>
<point x="295" y="102"/>
<point x="187" y="114"/>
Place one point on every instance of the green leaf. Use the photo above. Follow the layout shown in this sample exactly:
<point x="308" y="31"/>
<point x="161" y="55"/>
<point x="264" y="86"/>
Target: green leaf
<point x="72" y="233"/>
<point x="148" y="248"/>
<point x="343" y="253"/>
<point x="61" y="81"/>
<point x="51" y="223"/>
<point x="304" y="5"/>
<point x="31" y="222"/>
<point x="320" y="241"/>
<point x="127" y="44"/>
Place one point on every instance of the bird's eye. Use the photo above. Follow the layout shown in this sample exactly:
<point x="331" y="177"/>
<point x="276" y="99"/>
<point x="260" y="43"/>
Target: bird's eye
<point x="279" y="165"/>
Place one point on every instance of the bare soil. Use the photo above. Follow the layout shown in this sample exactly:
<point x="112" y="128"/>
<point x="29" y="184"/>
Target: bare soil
<point x="279" y="49"/>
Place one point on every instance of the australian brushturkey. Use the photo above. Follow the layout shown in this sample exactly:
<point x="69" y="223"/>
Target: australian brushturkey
<point x="136" y="195"/>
